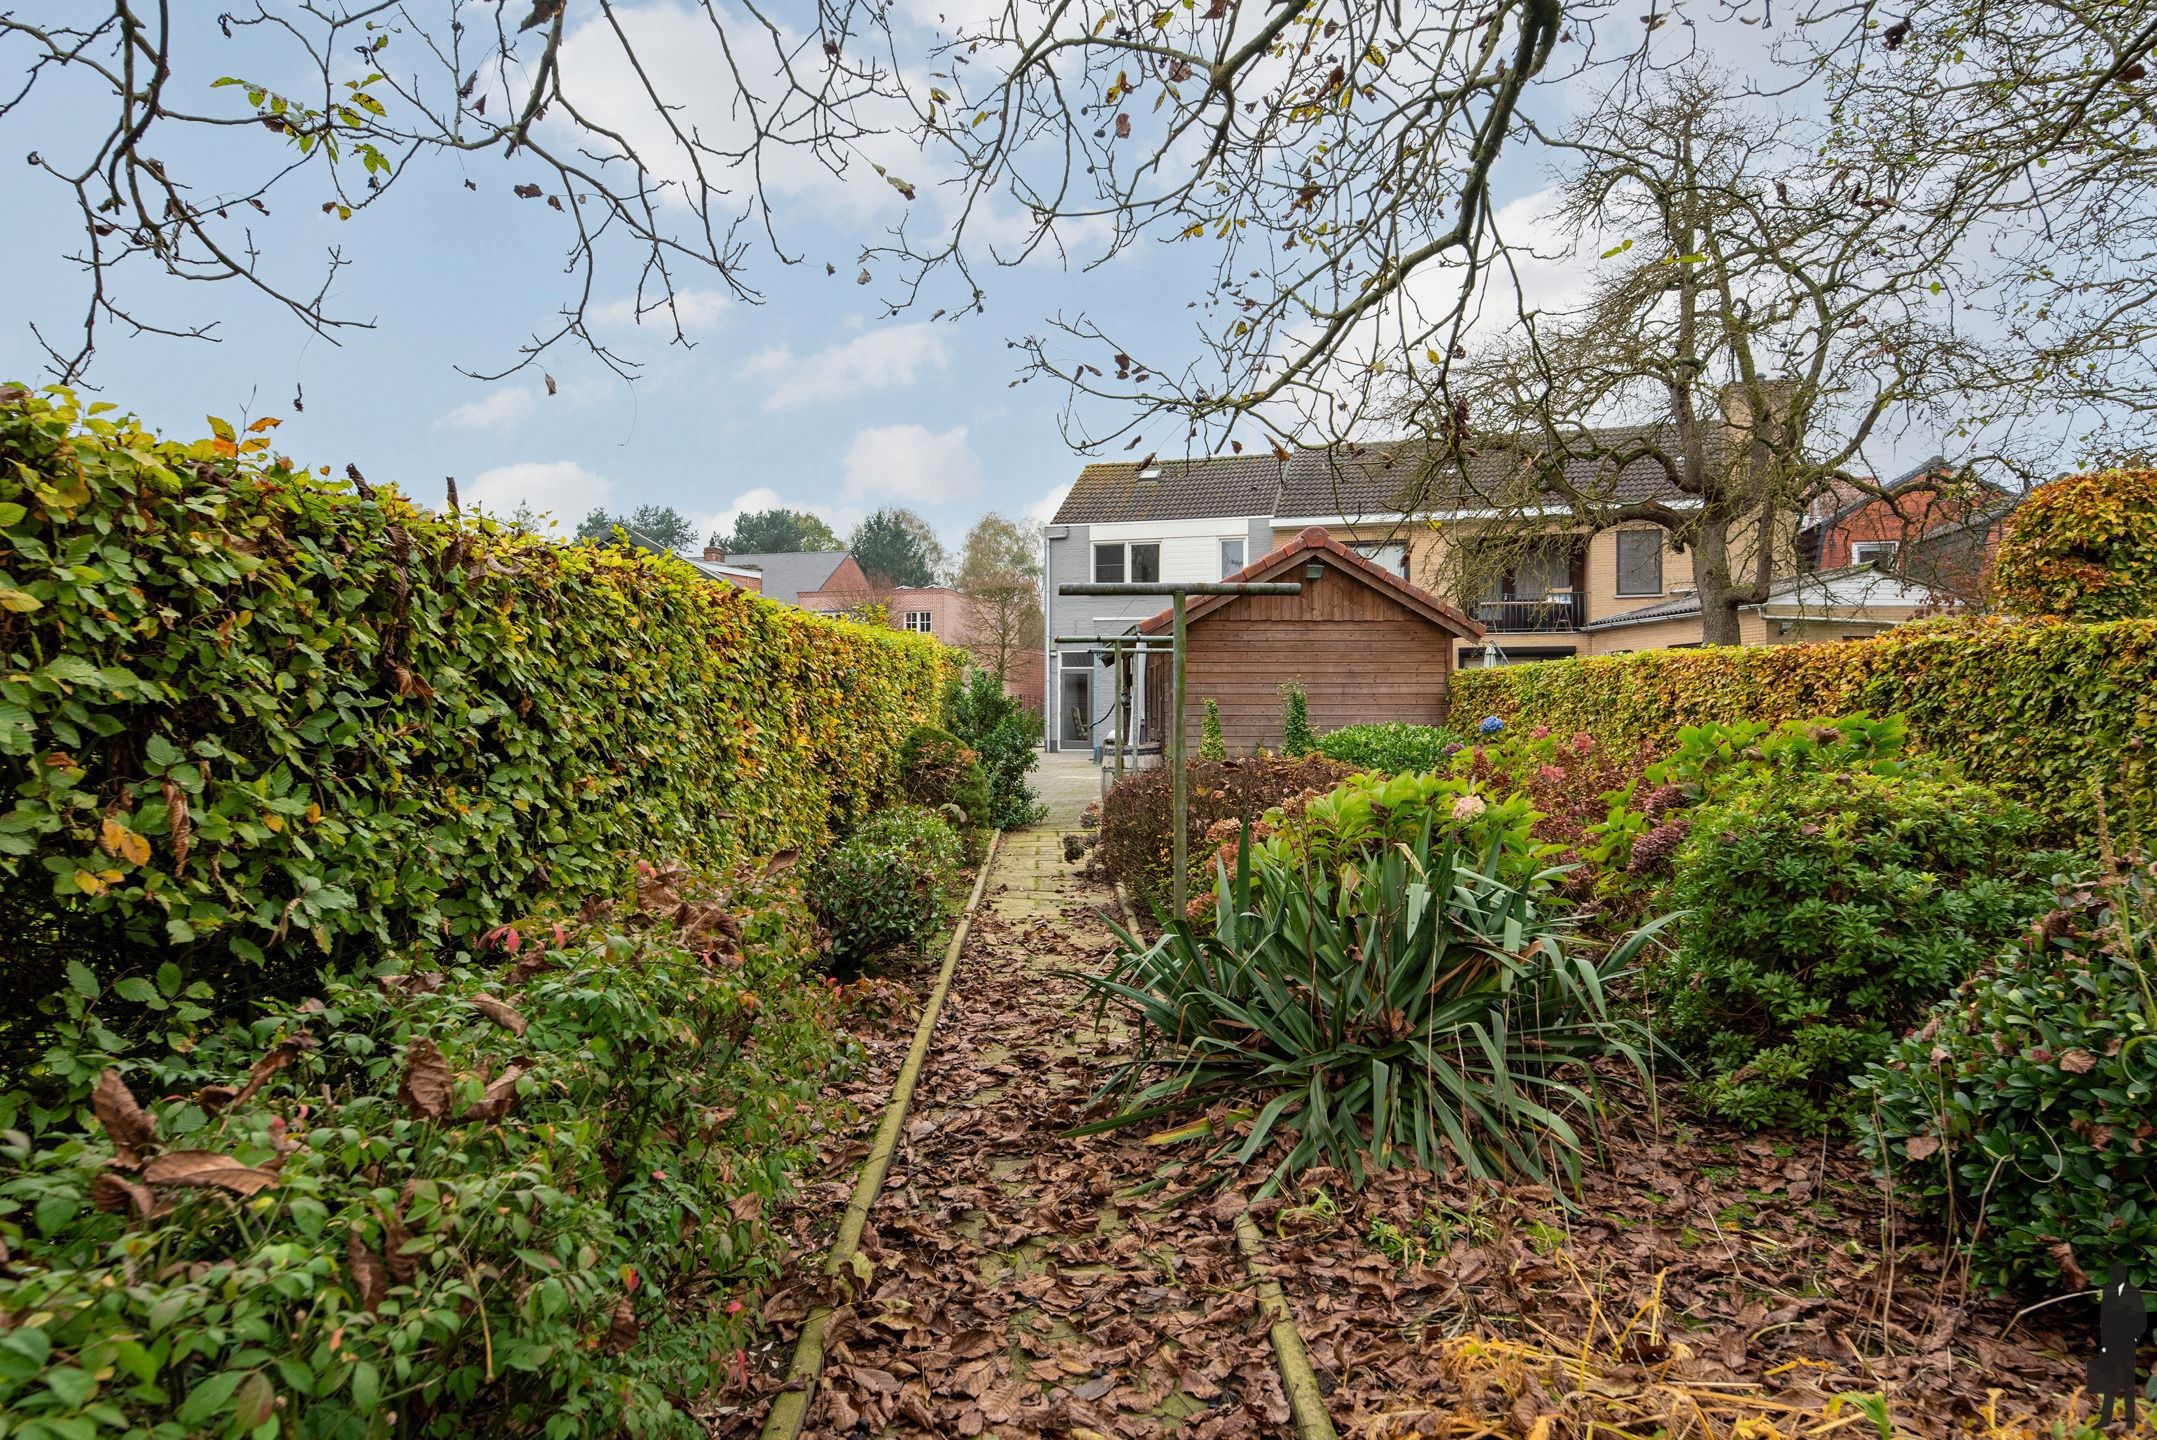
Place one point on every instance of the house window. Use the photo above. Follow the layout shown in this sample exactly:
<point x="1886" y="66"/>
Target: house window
<point x="1640" y="562"/>
<point x="921" y="622"/>
<point x="1873" y="552"/>
<point x="1387" y="555"/>
<point x="1110" y="565"/>
<point x="1231" y="557"/>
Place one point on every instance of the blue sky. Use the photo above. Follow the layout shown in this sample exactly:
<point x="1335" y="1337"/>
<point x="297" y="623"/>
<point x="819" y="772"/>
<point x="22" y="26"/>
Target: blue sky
<point x="809" y="400"/>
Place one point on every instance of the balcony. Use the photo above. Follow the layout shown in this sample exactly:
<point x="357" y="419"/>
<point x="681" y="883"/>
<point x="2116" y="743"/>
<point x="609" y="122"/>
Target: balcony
<point x="1554" y="612"/>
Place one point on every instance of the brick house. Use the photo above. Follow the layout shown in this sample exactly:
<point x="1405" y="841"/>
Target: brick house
<point x="786" y="576"/>
<point x="1853" y="526"/>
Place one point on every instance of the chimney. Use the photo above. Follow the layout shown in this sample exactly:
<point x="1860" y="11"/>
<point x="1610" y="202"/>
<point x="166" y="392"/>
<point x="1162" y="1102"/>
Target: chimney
<point x="715" y="555"/>
<point x="1777" y="391"/>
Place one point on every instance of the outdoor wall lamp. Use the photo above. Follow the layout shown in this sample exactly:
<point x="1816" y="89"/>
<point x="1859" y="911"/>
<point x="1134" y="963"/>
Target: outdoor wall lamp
<point x="1313" y="570"/>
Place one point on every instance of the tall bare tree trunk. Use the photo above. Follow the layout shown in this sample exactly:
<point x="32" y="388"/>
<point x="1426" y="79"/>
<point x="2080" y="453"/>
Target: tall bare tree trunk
<point x="1719" y="597"/>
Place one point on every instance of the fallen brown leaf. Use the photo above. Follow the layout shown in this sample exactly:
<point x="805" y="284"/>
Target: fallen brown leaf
<point x="209" y="1169"/>
<point x="127" y="1125"/>
<point x="501" y="1013"/>
<point x="370" y="1281"/>
<point x="499" y="1096"/>
<point x="114" y="1193"/>
<point x="425" y="1089"/>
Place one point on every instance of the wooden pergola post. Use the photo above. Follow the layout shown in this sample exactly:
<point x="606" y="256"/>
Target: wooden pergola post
<point x="1177" y="594"/>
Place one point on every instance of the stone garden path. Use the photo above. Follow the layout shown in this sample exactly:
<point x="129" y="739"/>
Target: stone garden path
<point x="1020" y="1283"/>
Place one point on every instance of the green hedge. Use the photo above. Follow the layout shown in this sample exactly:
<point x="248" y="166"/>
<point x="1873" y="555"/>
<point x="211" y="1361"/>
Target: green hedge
<point x="2033" y="708"/>
<point x="261" y="719"/>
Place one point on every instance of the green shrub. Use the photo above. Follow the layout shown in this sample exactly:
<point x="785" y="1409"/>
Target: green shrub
<point x="942" y="774"/>
<point x="1296" y="737"/>
<point x="1007" y="738"/>
<point x="1393" y="747"/>
<point x="1822" y="916"/>
<point x="2035" y="710"/>
<point x="2025" y="1110"/>
<point x="889" y="887"/>
<point x="1367" y="814"/>
<point x="2083" y="547"/>
<point x="1137" y="818"/>
<point x="1212" y="745"/>
<point x="1413" y="1009"/>
<point x="521" y="1193"/>
<point x="261" y="721"/>
<point x="1709" y="761"/>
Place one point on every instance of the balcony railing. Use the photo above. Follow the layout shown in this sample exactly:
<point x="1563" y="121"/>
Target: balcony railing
<point x="1552" y="612"/>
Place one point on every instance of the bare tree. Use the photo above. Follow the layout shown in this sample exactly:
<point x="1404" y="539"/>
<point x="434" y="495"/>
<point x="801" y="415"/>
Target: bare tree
<point x="1326" y="152"/>
<point x="1758" y="318"/>
<point x="2039" y="114"/>
<point x="340" y="101"/>
<point x="1001" y="578"/>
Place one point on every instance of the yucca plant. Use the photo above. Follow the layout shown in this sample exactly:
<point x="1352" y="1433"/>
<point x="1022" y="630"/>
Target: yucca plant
<point x="1409" y="1005"/>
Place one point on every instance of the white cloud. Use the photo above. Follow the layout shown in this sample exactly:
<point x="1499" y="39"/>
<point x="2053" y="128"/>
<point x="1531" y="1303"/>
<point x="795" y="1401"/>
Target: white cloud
<point x="886" y="359"/>
<point x="681" y="57"/>
<point x="561" y="488"/>
<point x="911" y="464"/>
<point x="694" y="310"/>
<point x="1042" y="511"/>
<point x="492" y="410"/>
<point x="776" y="360"/>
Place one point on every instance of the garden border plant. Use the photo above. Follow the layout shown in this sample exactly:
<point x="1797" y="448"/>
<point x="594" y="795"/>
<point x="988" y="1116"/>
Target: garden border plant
<point x="520" y="1185"/>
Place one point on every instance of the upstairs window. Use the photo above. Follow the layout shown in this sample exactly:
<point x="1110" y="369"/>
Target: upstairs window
<point x="1231" y="557"/>
<point x="1640" y="562"/>
<point x="1146" y="563"/>
<point x="1108" y="564"/>
<point x="1874" y="552"/>
<point x="921" y="622"/>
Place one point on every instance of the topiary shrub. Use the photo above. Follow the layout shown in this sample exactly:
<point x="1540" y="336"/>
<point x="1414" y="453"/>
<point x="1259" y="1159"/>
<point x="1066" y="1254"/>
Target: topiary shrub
<point x="938" y="771"/>
<point x="889" y="887"/>
<point x="1136" y="816"/>
<point x="1212" y="745"/>
<point x="2083" y="548"/>
<point x="1822" y="917"/>
<point x="2024" y="1112"/>
<point x="1006" y="736"/>
<point x="1296" y="737"/>
<point x="1392" y="748"/>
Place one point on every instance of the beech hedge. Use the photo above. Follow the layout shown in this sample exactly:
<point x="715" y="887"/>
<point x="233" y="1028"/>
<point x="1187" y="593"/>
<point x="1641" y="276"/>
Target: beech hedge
<point x="259" y="717"/>
<point x="2037" y="709"/>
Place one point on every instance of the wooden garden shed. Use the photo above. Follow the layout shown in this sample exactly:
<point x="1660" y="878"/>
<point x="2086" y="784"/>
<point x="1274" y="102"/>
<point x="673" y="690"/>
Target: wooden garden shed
<point x="1365" y="645"/>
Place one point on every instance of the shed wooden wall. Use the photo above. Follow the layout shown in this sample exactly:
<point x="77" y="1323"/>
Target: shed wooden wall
<point x="1360" y="654"/>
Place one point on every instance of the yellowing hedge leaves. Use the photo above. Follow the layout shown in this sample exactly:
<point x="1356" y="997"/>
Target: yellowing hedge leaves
<point x="2035" y="708"/>
<point x="258" y="711"/>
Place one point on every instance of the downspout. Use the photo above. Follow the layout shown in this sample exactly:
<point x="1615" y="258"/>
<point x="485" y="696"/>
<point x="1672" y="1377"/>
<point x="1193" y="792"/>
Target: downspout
<point x="1048" y="648"/>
